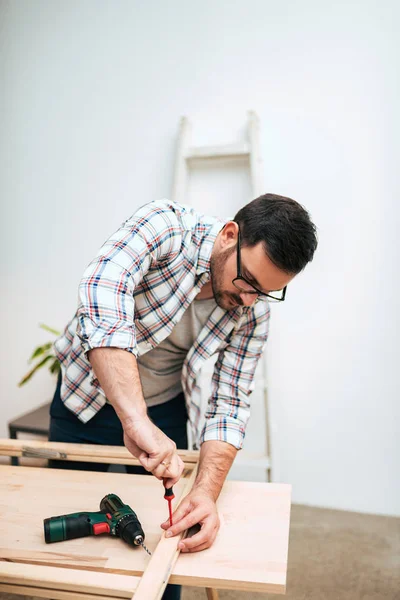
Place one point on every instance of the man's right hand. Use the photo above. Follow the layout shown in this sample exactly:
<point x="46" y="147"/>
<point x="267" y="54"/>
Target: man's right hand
<point x="118" y="374"/>
<point x="156" y="452"/>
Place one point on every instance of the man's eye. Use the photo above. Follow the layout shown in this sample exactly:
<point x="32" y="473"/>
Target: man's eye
<point x="250" y="278"/>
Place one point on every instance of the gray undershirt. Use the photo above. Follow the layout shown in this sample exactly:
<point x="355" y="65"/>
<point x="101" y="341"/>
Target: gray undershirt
<point x="160" y="369"/>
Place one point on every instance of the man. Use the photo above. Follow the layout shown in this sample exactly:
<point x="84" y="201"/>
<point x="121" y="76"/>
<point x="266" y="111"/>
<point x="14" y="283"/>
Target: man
<point x="170" y="288"/>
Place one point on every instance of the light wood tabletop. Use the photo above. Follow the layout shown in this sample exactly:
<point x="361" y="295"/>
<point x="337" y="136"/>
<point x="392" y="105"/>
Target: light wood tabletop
<point x="250" y="552"/>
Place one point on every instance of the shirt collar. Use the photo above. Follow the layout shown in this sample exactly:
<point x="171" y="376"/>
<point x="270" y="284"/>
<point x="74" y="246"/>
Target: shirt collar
<point x="206" y="247"/>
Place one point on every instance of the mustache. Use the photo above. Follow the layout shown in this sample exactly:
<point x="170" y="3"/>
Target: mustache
<point x="236" y="299"/>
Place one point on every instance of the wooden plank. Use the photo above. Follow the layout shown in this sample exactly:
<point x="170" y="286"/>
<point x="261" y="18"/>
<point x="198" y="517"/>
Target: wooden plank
<point x="250" y="552"/>
<point x="158" y="571"/>
<point x="222" y="151"/>
<point x="251" y="549"/>
<point x="68" y="580"/>
<point x="24" y="590"/>
<point x="179" y="185"/>
<point x="253" y="125"/>
<point x="76" y="452"/>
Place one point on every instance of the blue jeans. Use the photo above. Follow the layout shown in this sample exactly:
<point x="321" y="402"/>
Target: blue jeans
<point x="105" y="428"/>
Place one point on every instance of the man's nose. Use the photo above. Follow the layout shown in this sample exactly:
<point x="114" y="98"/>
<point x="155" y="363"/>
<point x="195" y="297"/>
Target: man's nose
<point x="248" y="299"/>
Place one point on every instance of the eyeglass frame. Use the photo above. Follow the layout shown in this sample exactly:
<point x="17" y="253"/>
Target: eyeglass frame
<point x="240" y="276"/>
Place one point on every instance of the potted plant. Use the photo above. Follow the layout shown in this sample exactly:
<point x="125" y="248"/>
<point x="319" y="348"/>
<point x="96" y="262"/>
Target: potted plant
<point x="43" y="355"/>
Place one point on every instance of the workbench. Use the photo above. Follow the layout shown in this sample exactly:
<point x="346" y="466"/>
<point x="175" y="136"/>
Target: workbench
<point x="249" y="554"/>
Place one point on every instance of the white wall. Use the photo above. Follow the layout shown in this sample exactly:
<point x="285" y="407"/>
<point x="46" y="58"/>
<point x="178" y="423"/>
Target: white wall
<point x="92" y="96"/>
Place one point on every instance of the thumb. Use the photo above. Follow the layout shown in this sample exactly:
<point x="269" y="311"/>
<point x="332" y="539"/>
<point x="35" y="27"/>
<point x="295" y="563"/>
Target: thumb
<point x="183" y="509"/>
<point x="169" y="482"/>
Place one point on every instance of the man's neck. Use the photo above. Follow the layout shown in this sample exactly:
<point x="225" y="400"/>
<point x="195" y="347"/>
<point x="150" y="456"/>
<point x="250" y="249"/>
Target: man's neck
<point x="206" y="292"/>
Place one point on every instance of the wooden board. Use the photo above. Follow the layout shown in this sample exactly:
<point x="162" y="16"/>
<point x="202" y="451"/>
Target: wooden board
<point x="65" y="581"/>
<point x="250" y="552"/>
<point x="78" y="452"/>
<point x="158" y="572"/>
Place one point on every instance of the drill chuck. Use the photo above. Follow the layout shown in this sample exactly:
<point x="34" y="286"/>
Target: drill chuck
<point x="130" y="530"/>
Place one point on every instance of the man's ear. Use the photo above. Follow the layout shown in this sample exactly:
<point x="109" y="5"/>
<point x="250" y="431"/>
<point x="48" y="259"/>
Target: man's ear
<point x="229" y="234"/>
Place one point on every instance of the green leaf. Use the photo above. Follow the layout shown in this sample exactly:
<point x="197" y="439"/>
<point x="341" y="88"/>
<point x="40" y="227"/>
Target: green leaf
<point x="49" y="329"/>
<point x="40" y="350"/>
<point x="35" y="368"/>
<point x="55" y="367"/>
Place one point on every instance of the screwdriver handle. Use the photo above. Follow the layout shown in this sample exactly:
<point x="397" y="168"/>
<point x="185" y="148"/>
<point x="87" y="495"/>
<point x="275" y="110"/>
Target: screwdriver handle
<point x="169" y="494"/>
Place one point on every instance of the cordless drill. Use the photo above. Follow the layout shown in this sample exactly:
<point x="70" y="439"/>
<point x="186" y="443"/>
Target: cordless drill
<point x="114" y="517"/>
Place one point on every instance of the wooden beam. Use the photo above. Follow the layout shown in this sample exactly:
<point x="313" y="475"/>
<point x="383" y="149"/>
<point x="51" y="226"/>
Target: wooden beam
<point x="159" y="568"/>
<point x="179" y="186"/>
<point x="221" y="151"/>
<point x="25" y="590"/>
<point x="70" y="581"/>
<point x="81" y="452"/>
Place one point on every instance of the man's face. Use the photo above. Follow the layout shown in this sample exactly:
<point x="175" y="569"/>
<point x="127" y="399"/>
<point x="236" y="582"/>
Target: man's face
<point x="256" y="267"/>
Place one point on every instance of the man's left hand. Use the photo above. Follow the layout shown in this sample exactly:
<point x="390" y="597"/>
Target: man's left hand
<point x="197" y="508"/>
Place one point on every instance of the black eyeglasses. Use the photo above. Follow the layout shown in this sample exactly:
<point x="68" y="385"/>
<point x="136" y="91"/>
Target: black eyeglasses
<point x="246" y="287"/>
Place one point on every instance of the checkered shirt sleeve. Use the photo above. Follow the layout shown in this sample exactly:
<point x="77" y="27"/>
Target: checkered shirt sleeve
<point x="106" y="291"/>
<point x="232" y="382"/>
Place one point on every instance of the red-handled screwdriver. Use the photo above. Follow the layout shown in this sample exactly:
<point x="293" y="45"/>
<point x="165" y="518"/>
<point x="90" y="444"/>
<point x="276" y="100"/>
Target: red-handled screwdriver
<point x="169" y="496"/>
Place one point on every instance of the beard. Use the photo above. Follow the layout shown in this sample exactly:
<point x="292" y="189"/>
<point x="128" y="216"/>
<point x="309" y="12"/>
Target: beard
<point x="224" y="299"/>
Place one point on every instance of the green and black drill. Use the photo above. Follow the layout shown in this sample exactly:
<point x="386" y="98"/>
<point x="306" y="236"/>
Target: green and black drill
<point x="114" y="518"/>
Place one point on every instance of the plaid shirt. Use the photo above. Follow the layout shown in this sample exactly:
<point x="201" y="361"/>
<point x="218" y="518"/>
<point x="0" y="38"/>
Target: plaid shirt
<point x="133" y="293"/>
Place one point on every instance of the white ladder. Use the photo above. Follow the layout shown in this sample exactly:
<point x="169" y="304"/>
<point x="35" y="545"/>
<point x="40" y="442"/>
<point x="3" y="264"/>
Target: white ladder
<point x="249" y="150"/>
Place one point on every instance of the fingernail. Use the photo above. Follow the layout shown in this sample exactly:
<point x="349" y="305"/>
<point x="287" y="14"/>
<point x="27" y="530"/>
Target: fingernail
<point x="168" y="534"/>
<point x="181" y="546"/>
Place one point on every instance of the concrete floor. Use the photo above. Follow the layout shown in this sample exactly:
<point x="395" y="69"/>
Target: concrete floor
<point x="333" y="555"/>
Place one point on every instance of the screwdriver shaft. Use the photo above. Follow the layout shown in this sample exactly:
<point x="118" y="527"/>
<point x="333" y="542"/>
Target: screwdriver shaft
<point x="170" y="511"/>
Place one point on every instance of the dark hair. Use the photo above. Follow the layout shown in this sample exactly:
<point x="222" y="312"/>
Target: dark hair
<point x="284" y="227"/>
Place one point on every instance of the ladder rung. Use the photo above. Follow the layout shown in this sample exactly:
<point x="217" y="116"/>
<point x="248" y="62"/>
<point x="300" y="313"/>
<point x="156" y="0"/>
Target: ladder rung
<point x="229" y="151"/>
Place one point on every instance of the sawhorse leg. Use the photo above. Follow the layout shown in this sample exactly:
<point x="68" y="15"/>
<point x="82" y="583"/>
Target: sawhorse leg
<point x="13" y="436"/>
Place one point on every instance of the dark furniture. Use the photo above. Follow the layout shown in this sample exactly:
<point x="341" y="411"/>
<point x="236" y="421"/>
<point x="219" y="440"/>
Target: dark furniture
<point x="36" y="421"/>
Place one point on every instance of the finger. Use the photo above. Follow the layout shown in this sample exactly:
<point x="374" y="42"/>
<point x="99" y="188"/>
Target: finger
<point x="169" y="470"/>
<point x="196" y="549"/>
<point x="143" y="459"/>
<point x="191" y="519"/>
<point x="161" y="471"/>
<point x="174" y="473"/>
<point x="144" y="465"/>
<point x="151" y="463"/>
<point x="206" y="535"/>
<point x="169" y="483"/>
<point x="183" y="509"/>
